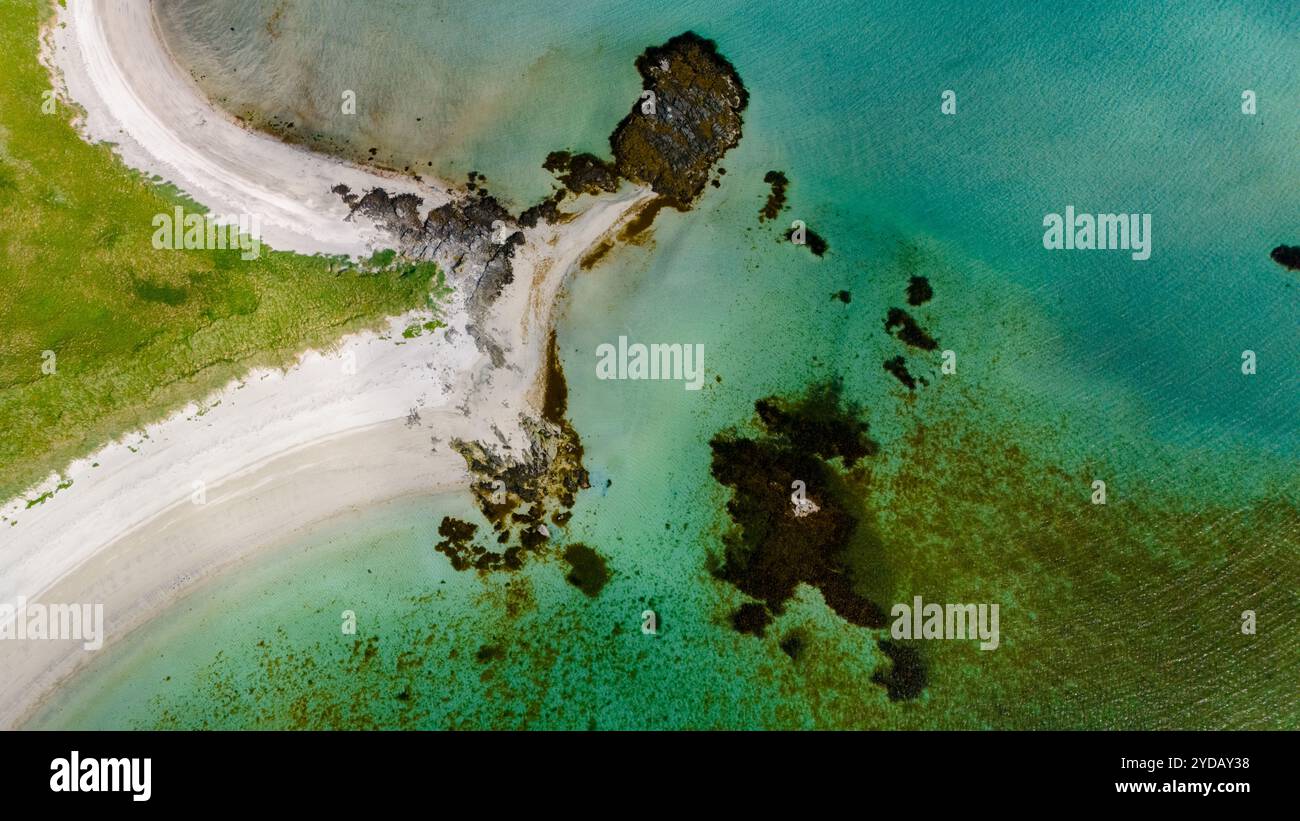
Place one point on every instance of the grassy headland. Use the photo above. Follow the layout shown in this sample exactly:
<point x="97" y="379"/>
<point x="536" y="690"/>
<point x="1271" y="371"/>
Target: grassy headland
<point x="135" y="332"/>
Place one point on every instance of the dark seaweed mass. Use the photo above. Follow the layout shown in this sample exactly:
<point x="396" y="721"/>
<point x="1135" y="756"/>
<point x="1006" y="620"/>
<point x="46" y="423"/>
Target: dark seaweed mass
<point x="793" y="645"/>
<point x="458" y="545"/>
<point x="919" y="291"/>
<point x="775" y="199"/>
<point x="587" y="569"/>
<point x="769" y="551"/>
<point x="819" y="423"/>
<point x="907" y="677"/>
<point x="1287" y="256"/>
<point x="555" y="398"/>
<point x="812" y="240"/>
<point x="909" y="331"/>
<point x="582" y="173"/>
<point x="898" y="368"/>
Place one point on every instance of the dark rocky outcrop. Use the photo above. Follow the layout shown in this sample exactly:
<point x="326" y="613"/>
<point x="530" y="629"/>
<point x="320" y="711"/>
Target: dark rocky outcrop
<point x="687" y="118"/>
<point x="583" y="173"/>
<point x="472" y="239"/>
<point x="671" y="141"/>
<point x="517" y="494"/>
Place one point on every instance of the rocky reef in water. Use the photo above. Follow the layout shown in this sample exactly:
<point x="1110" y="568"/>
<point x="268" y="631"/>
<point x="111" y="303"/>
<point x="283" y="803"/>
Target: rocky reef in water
<point x="919" y="291"/>
<point x="910" y="332"/>
<point x="813" y="444"/>
<point x="686" y="118"/>
<point x="522" y="497"/>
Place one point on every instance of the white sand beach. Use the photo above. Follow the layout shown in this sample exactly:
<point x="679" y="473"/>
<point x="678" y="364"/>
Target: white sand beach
<point x="275" y="453"/>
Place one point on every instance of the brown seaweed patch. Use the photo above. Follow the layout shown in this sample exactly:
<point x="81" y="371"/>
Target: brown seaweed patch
<point x="771" y="551"/>
<point x="819" y="423"/>
<point x="595" y="255"/>
<point x="555" y="399"/>
<point x="489" y="652"/>
<point x="813" y="241"/>
<point x="776" y="197"/>
<point x="898" y="368"/>
<point x="644" y="218"/>
<point x="752" y="618"/>
<point x="793" y="645"/>
<point x="907" y="677"/>
<point x="457" y="545"/>
<point x="1288" y="256"/>
<point x="587" y="569"/>
<point x="909" y="331"/>
<point x="919" y="291"/>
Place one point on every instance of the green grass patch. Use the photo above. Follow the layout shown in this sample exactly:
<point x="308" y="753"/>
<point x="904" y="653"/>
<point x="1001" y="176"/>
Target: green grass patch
<point x="135" y="332"/>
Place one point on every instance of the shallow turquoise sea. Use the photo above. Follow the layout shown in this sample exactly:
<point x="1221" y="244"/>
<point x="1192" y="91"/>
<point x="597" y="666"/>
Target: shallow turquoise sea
<point x="1071" y="366"/>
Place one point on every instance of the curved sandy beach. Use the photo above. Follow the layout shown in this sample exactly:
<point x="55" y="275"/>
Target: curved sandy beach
<point x="277" y="452"/>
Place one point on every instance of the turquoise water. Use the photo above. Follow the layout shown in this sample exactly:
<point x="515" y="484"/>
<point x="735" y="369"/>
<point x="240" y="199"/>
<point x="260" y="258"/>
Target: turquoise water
<point x="1072" y="366"/>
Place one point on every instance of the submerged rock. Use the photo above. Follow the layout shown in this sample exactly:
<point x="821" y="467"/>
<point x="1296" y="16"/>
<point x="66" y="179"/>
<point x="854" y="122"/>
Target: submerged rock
<point x="909" y="330"/>
<point x="1288" y="256"/>
<point x="771" y="550"/>
<point x="587" y="569"/>
<point x="813" y="241"/>
<point x="907" y="676"/>
<point x="776" y="198"/>
<point x="898" y="367"/>
<point x="919" y="291"/>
